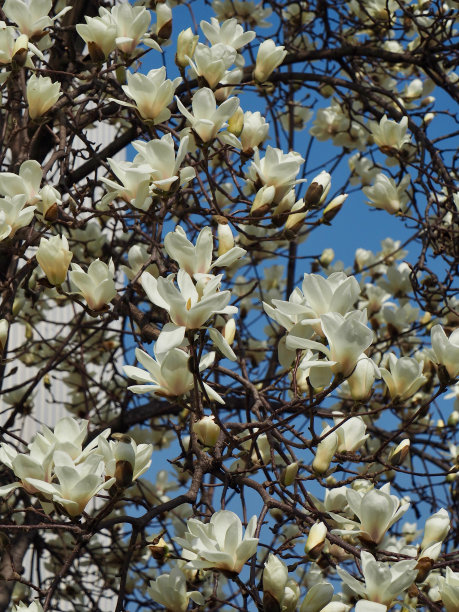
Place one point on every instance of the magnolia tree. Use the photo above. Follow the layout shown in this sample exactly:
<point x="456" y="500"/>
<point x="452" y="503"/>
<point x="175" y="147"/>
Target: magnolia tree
<point x="246" y="423"/>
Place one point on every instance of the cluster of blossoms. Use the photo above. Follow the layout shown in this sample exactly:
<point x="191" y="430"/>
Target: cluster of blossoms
<point x="198" y="222"/>
<point x="64" y="475"/>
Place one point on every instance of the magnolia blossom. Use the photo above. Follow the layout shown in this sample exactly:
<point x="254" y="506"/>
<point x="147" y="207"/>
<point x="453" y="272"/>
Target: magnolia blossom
<point x="269" y="57"/>
<point x="276" y="169"/>
<point x="404" y="378"/>
<point x="449" y="590"/>
<point x="445" y="351"/>
<point x="77" y="483"/>
<point x="219" y="544"/>
<point x="99" y="33"/>
<point x="96" y="285"/>
<point x="42" y="94"/>
<point x="152" y="93"/>
<point x="31" y="17"/>
<point x="376" y="510"/>
<point x="131" y="24"/>
<point x="360" y="382"/>
<point x="212" y="62"/>
<point x="189" y="305"/>
<point x="135" y="184"/>
<point x="168" y="375"/>
<point x="198" y="259"/>
<point x="389" y="134"/>
<point x="4" y="327"/>
<point x="124" y="456"/>
<point x="275" y="576"/>
<point x="207" y="431"/>
<point x="317" y="597"/>
<point x="385" y="194"/>
<point x="254" y="132"/>
<point x="383" y="583"/>
<point x="35" y="606"/>
<point x="169" y="590"/>
<point x="54" y="258"/>
<point x="27" y="183"/>
<point x="14" y="215"/>
<point x="206" y="119"/>
<point x="229" y="33"/>
<point x="164" y="167"/>
<point x="436" y="528"/>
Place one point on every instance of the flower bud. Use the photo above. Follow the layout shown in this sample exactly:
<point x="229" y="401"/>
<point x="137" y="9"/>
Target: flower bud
<point x="163" y="21"/>
<point x="295" y="220"/>
<point x="125" y="459"/>
<point x="54" y="258"/>
<point x="289" y="474"/>
<point x="206" y="430"/>
<point x="291" y="596"/>
<point x="20" y="50"/>
<point x="4" y="325"/>
<point x="316" y="540"/>
<point x="49" y="201"/>
<point x="318" y="190"/>
<point x="236" y="122"/>
<point x="158" y="547"/>
<point x="400" y="452"/>
<point x="275" y="576"/>
<point x="453" y="418"/>
<point x="229" y="331"/>
<point x="328" y="255"/>
<point x="324" y="454"/>
<point x="269" y="57"/>
<point x="428" y="118"/>
<point x="436" y="528"/>
<point x="225" y="236"/>
<point x="186" y="44"/>
<point x="332" y="209"/>
<point x="263" y="200"/>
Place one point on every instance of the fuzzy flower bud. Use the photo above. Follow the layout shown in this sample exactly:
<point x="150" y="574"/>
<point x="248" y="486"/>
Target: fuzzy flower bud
<point x="318" y="190"/>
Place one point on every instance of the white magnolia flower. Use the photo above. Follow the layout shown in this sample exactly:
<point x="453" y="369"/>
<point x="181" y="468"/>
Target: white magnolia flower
<point x="361" y="380"/>
<point x="27" y="183"/>
<point x="211" y="63"/>
<point x="131" y="22"/>
<point x="159" y="156"/>
<point x="14" y="214"/>
<point x="54" y="257"/>
<point x="206" y="119"/>
<point x="4" y="327"/>
<point x="389" y="134"/>
<point x="137" y="258"/>
<point x="219" y="544"/>
<point x="207" y="430"/>
<point x="351" y="434"/>
<point x="96" y="285"/>
<point x="152" y="93"/>
<point x="275" y="576"/>
<point x="124" y="450"/>
<point x="189" y="305"/>
<point x="325" y="451"/>
<point x="135" y="184"/>
<point x="35" y="606"/>
<point x="269" y="57"/>
<point x="197" y="259"/>
<point x="229" y="33"/>
<point x="445" y="351"/>
<point x="169" y="590"/>
<point x="404" y="378"/>
<point x="31" y="17"/>
<point x="77" y="483"/>
<point x="276" y="169"/>
<point x="254" y="132"/>
<point x="385" y="194"/>
<point x="42" y="94"/>
<point x="244" y="11"/>
<point x="449" y="590"/>
<point x="168" y="375"/>
<point x="376" y="510"/>
<point x="99" y="33"/>
<point x="317" y="597"/>
<point x="383" y="583"/>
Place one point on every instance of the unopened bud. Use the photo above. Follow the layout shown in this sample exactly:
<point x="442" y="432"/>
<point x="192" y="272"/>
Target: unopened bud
<point x="158" y="547"/>
<point x="436" y="528"/>
<point x="324" y="454"/>
<point x="316" y="540"/>
<point x="318" y="190"/>
<point x="206" y="430"/>
<point x="263" y="200"/>
<point x="453" y="418"/>
<point x="125" y="459"/>
<point x="328" y="255"/>
<point x="332" y="209"/>
<point x="289" y="474"/>
<point x="236" y="122"/>
<point x="428" y="118"/>
<point x="295" y="220"/>
<point x="163" y="21"/>
<point x="4" y="325"/>
<point x="225" y="236"/>
<point x="400" y="453"/>
<point x="20" y="50"/>
<point x="229" y="331"/>
<point x="186" y="44"/>
<point x="275" y="576"/>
